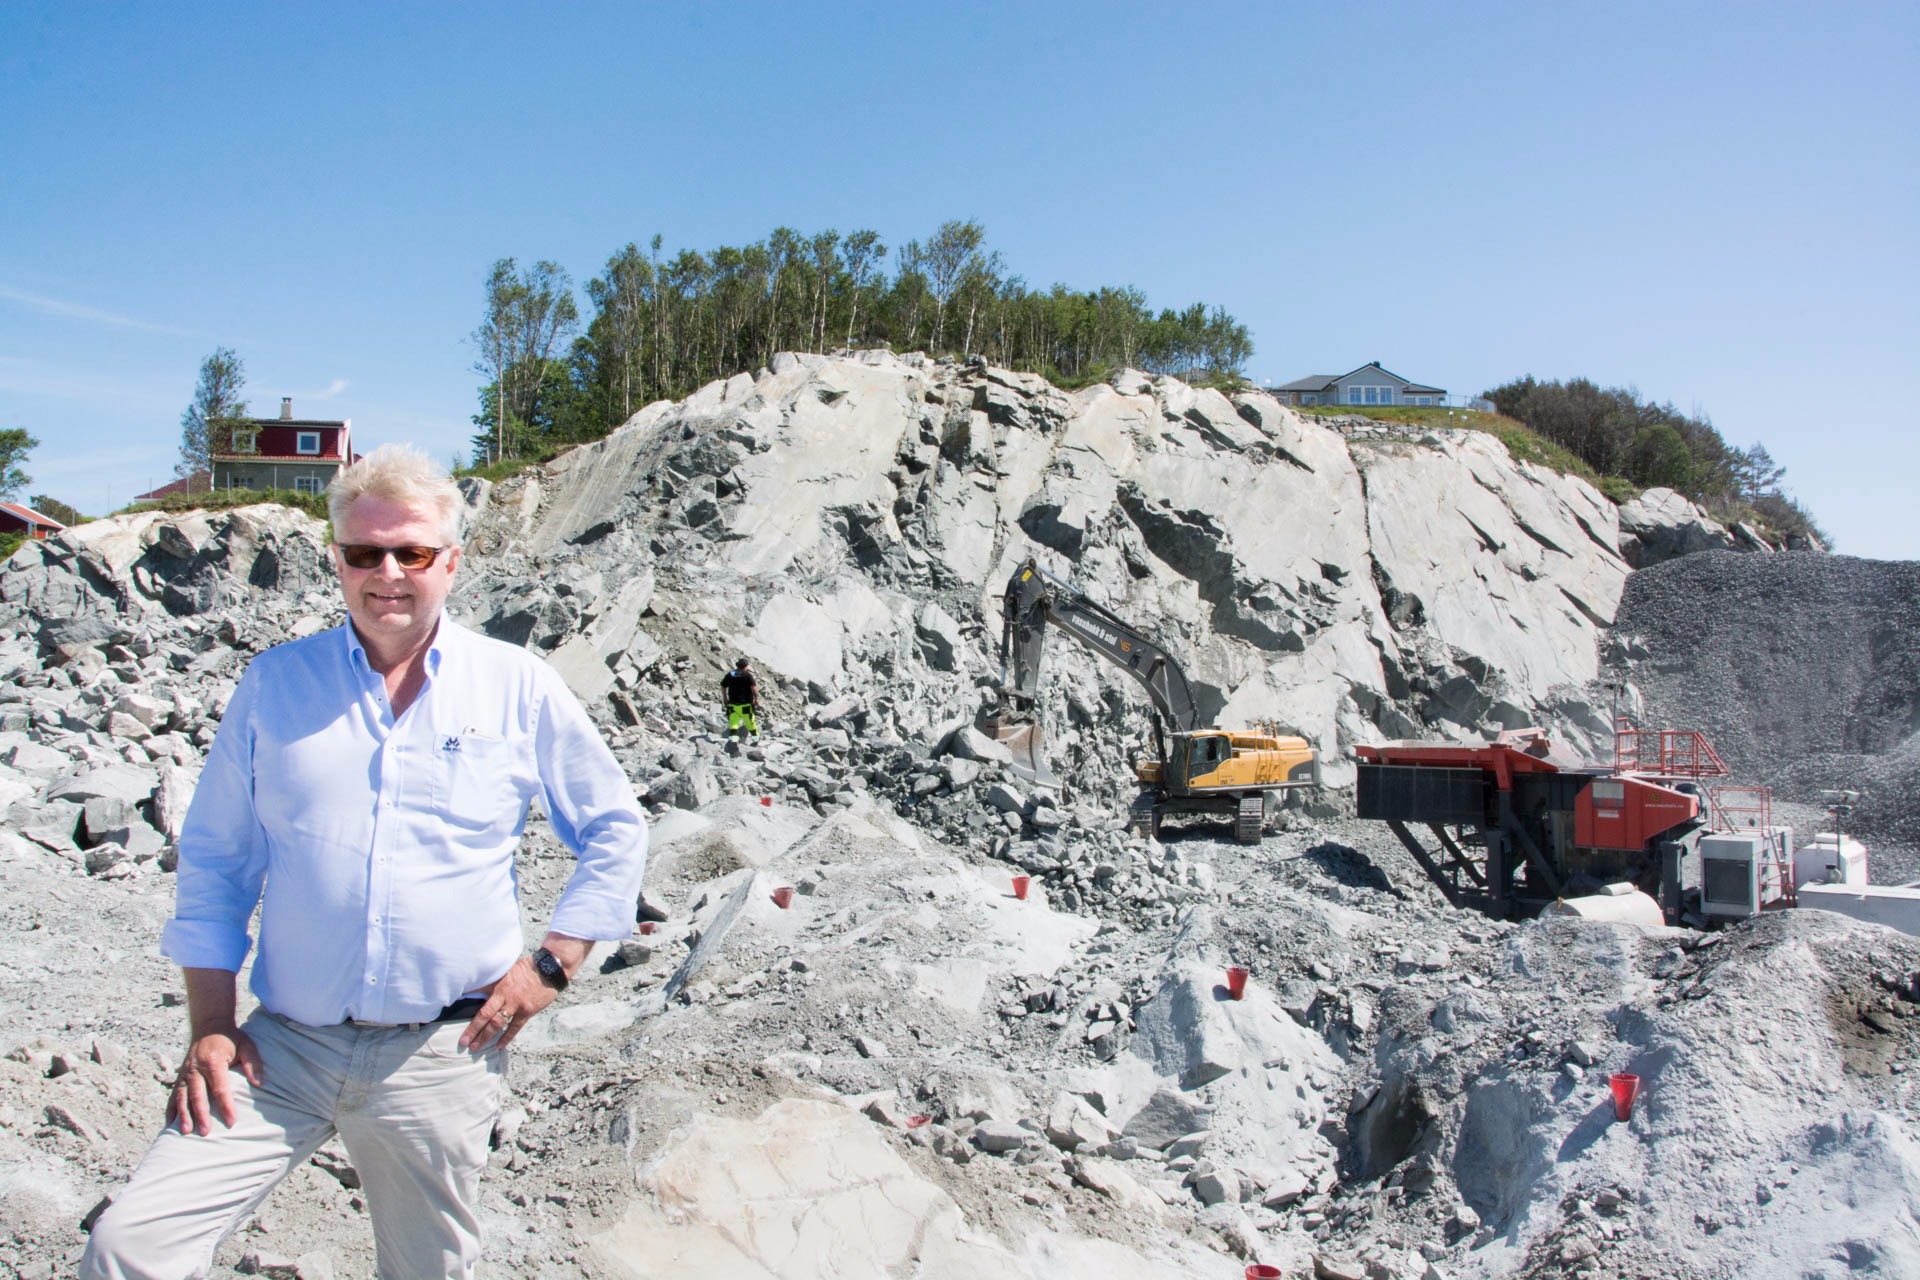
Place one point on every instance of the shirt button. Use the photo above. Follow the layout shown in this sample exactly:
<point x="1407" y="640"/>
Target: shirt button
<point x="372" y="981"/>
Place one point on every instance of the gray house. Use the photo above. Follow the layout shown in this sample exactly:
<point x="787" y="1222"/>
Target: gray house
<point x="1369" y="384"/>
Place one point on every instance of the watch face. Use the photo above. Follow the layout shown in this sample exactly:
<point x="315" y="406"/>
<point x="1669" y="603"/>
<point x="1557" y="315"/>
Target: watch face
<point x="550" y="967"/>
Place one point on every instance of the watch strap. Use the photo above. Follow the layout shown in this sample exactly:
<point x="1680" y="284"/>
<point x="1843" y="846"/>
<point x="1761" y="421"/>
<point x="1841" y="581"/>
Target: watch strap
<point x="551" y="971"/>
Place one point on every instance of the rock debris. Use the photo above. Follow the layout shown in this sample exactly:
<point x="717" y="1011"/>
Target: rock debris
<point x="1062" y="1082"/>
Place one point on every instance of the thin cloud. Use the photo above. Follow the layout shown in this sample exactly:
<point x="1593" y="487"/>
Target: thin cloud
<point x="334" y="388"/>
<point x="92" y="315"/>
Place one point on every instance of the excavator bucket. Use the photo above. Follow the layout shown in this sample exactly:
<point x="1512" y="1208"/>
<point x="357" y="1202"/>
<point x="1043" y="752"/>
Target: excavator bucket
<point x="1028" y="744"/>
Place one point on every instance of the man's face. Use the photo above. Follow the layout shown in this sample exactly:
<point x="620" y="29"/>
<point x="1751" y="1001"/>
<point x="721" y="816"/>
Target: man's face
<point x="394" y="608"/>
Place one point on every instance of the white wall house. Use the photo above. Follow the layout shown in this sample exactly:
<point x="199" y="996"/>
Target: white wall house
<point x="1367" y="385"/>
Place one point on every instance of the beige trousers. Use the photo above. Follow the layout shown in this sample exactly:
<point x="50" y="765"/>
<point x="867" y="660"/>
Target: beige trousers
<point x="414" y="1109"/>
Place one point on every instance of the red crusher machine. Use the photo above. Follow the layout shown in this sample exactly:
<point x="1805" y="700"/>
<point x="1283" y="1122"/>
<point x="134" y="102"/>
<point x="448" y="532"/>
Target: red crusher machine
<point x="1518" y="826"/>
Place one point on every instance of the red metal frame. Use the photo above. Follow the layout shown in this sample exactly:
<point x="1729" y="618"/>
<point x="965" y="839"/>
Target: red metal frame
<point x="1751" y="809"/>
<point x="1665" y="753"/>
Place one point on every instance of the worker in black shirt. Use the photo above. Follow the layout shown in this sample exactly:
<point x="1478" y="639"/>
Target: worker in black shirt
<point x="741" y="697"/>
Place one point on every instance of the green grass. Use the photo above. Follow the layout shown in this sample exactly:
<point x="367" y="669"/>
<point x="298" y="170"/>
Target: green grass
<point x="1620" y="489"/>
<point x="313" y="504"/>
<point x="1520" y="440"/>
<point x="495" y="472"/>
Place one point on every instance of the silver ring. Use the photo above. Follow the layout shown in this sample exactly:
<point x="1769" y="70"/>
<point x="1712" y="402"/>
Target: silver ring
<point x="504" y="1017"/>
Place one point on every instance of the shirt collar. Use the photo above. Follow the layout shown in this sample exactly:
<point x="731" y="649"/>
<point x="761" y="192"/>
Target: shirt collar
<point x="445" y="633"/>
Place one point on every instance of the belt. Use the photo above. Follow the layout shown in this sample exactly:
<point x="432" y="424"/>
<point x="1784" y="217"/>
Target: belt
<point x="461" y="1010"/>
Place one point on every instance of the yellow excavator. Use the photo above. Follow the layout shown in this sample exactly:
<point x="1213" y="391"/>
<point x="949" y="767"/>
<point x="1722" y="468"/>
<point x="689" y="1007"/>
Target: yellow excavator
<point x="1196" y="768"/>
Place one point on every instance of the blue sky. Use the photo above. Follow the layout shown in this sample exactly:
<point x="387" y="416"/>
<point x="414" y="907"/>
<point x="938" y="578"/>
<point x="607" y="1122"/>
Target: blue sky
<point x="1715" y="204"/>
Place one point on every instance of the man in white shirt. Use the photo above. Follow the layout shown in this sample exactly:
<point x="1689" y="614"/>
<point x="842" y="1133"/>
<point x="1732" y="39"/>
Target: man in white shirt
<point x="366" y="791"/>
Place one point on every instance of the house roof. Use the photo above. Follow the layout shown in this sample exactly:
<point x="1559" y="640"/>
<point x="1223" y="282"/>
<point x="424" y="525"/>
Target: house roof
<point x="198" y="482"/>
<point x="29" y="515"/>
<point x="1321" y="381"/>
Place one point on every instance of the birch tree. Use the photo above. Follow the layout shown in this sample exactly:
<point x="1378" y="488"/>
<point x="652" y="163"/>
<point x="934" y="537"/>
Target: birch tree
<point x="862" y="254"/>
<point x="529" y="314"/>
<point x="206" y="428"/>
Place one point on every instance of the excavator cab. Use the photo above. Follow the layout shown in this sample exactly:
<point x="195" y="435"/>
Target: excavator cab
<point x="1197" y="758"/>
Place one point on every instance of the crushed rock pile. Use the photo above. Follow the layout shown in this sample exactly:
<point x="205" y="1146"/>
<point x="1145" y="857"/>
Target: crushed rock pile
<point x="908" y="1067"/>
<point x="1803" y="669"/>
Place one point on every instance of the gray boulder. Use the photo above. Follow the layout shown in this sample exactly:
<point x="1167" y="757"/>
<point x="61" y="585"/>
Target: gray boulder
<point x="128" y="783"/>
<point x="998" y="1137"/>
<point x="692" y="788"/>
<point x="1661" y="524"/>
<point x="1166" y="1117"/>
<point x="940" y="638"/>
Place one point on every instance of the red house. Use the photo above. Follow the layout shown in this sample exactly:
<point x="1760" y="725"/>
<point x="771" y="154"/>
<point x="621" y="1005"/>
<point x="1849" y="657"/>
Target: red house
<point x="301" y="454"/>
<point x="15" y="518"/>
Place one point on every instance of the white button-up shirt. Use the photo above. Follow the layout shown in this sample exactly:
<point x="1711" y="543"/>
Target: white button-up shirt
<point x="384" y="846"/>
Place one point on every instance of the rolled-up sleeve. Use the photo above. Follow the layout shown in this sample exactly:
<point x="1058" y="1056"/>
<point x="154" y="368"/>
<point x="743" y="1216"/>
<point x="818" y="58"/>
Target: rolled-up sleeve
<point x="223" y="851"/>
<point x="591" y="805"/>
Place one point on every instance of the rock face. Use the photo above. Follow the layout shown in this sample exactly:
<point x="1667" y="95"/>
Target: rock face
<point x="1661" y="524"/>
<point x="852" y="522"/>
<point x="100" y="580"/>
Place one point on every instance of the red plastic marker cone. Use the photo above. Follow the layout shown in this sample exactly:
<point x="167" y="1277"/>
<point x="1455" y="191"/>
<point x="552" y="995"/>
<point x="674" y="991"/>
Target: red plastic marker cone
<point x="647" y="926"/>
<point x="1237" y="982"/>
<point x="767" y="800"/>
<point x="1625" y="1089"/>
<point x="783" y="896"/>
<point x="1261" y="1271"/>
<point x="1020" y="884"/>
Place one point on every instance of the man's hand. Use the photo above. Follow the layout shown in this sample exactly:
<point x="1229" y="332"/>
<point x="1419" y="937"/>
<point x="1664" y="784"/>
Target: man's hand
<point x="202" y="1089"/>
<point x="518" y="994"/>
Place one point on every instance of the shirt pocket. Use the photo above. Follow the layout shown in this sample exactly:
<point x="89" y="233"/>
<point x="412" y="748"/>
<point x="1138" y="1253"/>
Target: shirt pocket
<point x="474" y="780"/>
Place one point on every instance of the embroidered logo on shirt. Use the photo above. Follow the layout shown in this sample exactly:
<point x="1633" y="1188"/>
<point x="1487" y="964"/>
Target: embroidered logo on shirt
<point x="450" y="743"/>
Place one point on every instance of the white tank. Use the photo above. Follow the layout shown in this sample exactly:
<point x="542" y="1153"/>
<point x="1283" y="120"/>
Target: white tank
<point x="1822" y="860"/>
<point x="1630" y="907"/>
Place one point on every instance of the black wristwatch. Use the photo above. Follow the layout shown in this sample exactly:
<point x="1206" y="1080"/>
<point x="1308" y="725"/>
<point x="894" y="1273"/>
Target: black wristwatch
<point x="551" y="971"/>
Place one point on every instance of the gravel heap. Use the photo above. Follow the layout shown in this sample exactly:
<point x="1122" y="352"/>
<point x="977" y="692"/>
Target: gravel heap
<point x="1803" y="669"/>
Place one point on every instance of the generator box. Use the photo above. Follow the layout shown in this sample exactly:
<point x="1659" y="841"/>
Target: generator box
<point x="1740" y="873"/>
<point x="1827" y="860"/>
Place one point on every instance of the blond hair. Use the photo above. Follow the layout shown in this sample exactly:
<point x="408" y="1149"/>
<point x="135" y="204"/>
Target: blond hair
<point x="398" y="473"/>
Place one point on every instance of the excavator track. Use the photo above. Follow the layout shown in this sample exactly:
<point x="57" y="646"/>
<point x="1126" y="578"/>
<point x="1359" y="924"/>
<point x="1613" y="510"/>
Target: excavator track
<point x="1250" y="817"/>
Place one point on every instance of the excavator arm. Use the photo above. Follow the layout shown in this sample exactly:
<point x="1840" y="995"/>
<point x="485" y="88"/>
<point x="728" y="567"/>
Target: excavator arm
<point x="1036" y="600"/>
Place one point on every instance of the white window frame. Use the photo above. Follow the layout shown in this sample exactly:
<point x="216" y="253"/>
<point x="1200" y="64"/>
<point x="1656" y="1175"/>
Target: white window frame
<point x="307" y="484"/>
<point x="1353" y="395"/>
<point x="246" y="440"/>
<point x="307" y="442"/>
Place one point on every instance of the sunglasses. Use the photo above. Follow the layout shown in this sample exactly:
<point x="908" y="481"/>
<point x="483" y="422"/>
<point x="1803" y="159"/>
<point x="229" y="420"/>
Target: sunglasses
<point x="362" y="556"/>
